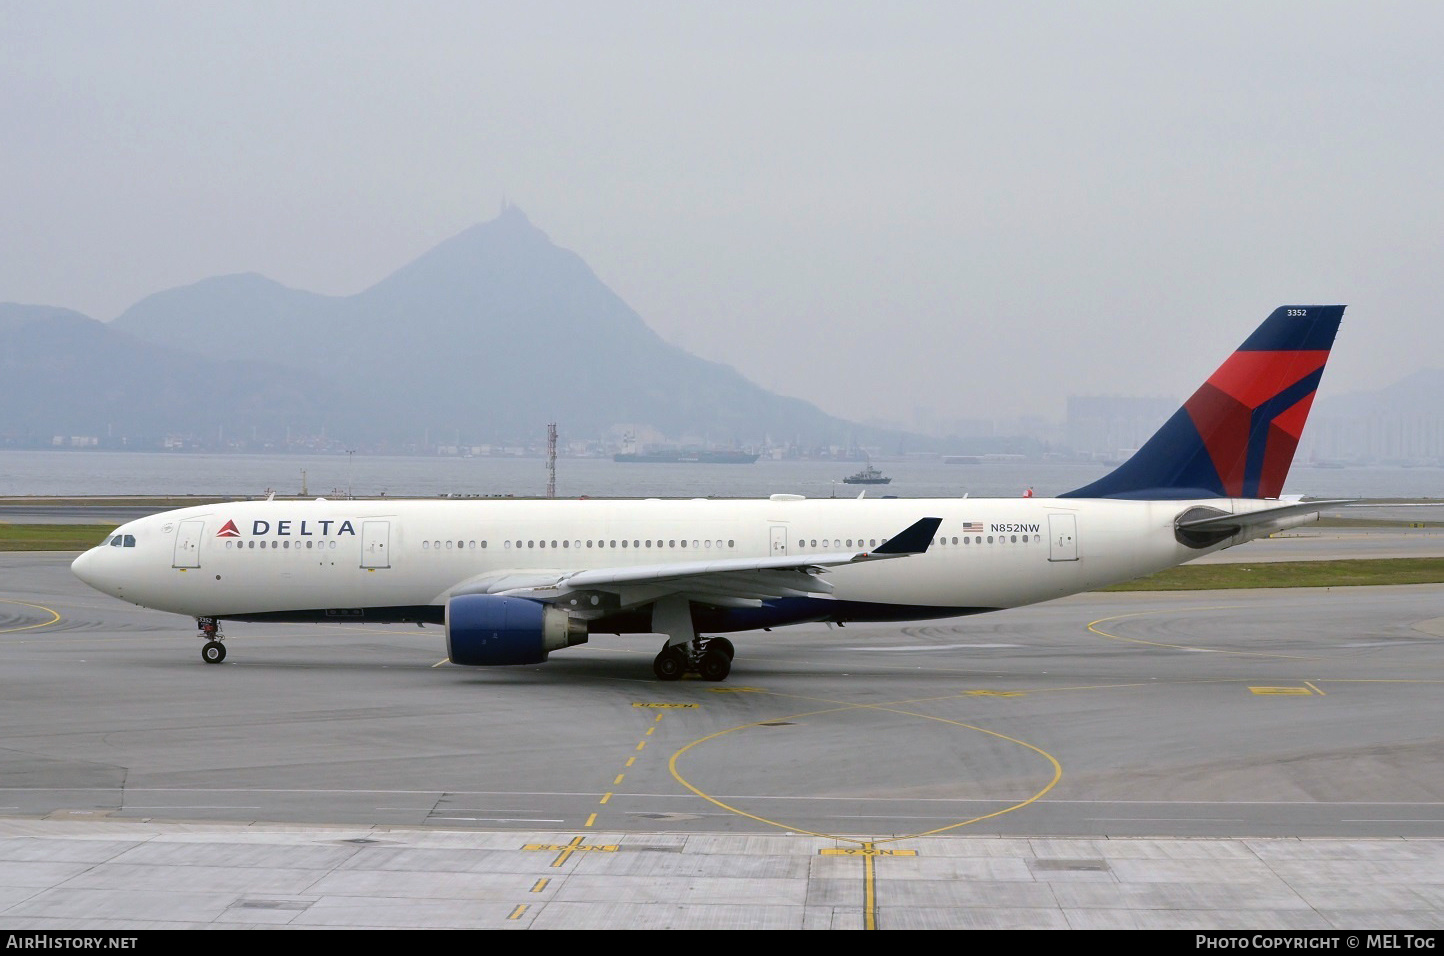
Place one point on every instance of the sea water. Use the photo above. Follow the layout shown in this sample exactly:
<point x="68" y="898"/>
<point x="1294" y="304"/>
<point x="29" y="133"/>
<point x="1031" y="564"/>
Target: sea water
<point x="108" y="473"/>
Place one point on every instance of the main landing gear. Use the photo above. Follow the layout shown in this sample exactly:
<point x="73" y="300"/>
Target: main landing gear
<point x="214" y="651"/>
<point x="708" y="659"/>
<point x="686" y="652"/>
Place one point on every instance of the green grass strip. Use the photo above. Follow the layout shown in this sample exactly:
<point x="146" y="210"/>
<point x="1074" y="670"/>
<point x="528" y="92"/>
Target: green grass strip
<point x="1291" y="574"/>
<point x="52" y="537"/>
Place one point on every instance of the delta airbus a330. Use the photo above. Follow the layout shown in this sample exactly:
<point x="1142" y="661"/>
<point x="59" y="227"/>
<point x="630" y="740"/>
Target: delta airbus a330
<point x="515" y="580"/>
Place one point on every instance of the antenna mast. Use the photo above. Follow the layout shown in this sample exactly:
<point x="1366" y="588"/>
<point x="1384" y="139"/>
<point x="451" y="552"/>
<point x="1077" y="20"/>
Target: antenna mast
<point x="551" y="459"/>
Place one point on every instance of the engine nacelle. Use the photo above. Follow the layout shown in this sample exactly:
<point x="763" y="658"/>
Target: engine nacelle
<point x="484" y="630"/>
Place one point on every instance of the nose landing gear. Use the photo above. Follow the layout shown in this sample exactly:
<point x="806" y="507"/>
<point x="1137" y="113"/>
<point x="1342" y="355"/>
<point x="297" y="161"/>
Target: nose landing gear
<point x="213" y="652"/>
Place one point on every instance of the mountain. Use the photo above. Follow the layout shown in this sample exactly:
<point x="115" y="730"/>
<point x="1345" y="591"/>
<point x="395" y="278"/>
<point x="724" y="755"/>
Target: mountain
<point x="1402" y="423"/>
<point x="67" y="374"/>
<point x="484" y="338"/>
<point x="227" y="317"/>
<point x="1420" y="392"/>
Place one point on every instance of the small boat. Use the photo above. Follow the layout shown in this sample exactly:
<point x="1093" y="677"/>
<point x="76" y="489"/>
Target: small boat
<point x="868" y="476"/>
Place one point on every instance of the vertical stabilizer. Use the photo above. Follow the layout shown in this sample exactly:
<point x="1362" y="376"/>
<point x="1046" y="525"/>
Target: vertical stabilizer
<point x="1235" y="438"/>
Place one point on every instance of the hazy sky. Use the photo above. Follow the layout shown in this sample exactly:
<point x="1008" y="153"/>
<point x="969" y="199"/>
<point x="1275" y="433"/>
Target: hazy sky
<point x="877" y="206"/>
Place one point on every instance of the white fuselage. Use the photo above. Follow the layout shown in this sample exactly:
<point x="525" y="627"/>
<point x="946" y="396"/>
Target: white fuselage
<point x="252" y="559"/>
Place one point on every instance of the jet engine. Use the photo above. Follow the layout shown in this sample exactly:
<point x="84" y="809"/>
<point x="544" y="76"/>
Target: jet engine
<point x="484" y="630"/>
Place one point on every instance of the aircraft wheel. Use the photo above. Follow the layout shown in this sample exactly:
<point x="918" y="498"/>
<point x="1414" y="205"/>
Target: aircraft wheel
<point x="715" y="666"/>
<point x="214" y="652"/>
<point x="671" y="664"/>
<point x="722" y="645"/>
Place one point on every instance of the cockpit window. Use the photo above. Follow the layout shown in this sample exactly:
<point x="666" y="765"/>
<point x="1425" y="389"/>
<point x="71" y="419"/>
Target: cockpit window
<point x="109" y="539"/>
<point x="119" y="541"/>
<point x="129" y="541"/>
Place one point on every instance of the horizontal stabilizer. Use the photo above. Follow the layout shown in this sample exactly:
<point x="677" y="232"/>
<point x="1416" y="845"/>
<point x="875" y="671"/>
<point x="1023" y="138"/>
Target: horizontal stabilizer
<point x="1205" y="527"/>
<point x="1234" y="523"/>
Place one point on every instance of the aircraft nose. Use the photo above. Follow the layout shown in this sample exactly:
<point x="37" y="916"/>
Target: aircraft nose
<point x="85" y="568"/>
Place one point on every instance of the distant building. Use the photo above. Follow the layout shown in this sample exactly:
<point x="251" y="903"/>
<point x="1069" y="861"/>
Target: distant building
<point x="1381" y="436"/>
<point x="1402" y="423"/>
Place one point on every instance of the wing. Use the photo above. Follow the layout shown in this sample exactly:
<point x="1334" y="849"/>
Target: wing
<point x="727" y="582"/>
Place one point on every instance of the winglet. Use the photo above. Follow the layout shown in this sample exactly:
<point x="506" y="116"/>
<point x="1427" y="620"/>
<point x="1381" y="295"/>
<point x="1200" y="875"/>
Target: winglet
<point x="914" y="539"/>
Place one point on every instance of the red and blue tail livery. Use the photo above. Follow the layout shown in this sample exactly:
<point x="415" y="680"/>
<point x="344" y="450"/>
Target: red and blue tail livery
<point x="1236" y="436"/>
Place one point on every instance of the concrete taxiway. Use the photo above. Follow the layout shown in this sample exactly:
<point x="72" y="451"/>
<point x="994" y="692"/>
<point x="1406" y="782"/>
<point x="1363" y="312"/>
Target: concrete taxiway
<point x="1244" y="759"/>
